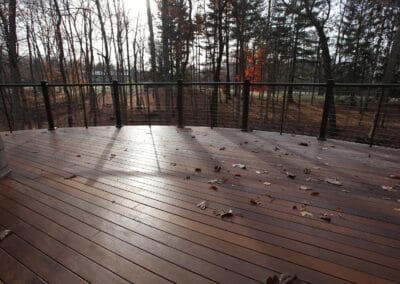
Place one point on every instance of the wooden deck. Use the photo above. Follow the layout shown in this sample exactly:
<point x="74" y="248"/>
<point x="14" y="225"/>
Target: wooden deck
<point x="115" y="206"/>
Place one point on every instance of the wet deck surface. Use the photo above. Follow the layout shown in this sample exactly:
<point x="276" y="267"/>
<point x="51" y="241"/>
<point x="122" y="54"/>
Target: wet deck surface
<point x="109" y="206"/>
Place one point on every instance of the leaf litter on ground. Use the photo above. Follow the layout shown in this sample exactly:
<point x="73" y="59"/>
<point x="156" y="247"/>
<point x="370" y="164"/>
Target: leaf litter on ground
<point x="240" y="166"/>
<point x="255" y="201"/>
<point x="306" y="214"/>
<point x="217" y="169"/>
<point x="290" y="175"/>
<point x="202" y="205"/>
<point x="333" y="181"/>
<point x="71" y="176"/>
<point x="4" y="234"/>
<point x="325" y="217"/>
<point x="394" y="177"/>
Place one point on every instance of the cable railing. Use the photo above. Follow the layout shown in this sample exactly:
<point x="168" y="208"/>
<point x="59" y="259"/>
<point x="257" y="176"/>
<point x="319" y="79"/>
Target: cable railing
<point x="366" y="113"/>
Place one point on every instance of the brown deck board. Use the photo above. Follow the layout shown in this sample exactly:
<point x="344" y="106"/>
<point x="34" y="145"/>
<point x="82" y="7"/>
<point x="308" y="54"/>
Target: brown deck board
<point x="137" y="209"/>
<point x="37" y="261"/>
<point x="12" y="271"/>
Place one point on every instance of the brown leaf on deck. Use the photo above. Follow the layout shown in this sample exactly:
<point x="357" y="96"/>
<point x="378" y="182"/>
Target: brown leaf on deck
<point x="333" y="181"/>
<point x="303" y="144"/>
<point x="213" y="187"/>
<point x="197" y="170"/>
<point x="4" y="234"/>
<point x="325" y="217"/>
<point x="306" y="214"/>
<point x="202" y="205"/>
<point x="227" y="214"/>
<point x="217" y="169"/>
<point x="240" y="166"/>
<point x="314" y="193"/>
<point x="255" y="201"/>
<point x="173" y="164"/>
<point x="307" y="171"/>
<point x="71" y="176"/>
<point x="222" y="148"/>
<point x="290" y="175"/>
<point x="394" y="176"/>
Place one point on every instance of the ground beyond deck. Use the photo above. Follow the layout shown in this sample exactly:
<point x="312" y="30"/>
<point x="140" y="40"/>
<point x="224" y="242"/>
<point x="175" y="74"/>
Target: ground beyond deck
<point x="113" y="206"/>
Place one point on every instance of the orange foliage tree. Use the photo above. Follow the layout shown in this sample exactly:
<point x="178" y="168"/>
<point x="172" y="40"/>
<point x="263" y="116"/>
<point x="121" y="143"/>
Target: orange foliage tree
<point x="255" y="60"/>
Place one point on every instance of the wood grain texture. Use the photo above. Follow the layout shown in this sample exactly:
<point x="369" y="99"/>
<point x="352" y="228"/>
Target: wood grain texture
<point x="121" y="206"/>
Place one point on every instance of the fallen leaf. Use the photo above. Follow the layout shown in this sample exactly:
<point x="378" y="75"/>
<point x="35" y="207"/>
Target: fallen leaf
<point x="290" y="175"/>
<point x="227" y="214"/>
<point x="187" y="177"/>
<point x="238" y="175"/>
<point x="294" y="207"/>
<point x="4" y="234"/>
<point x="173" y="164"/>
<point x="325" y="217"/>
<point x="333" y="181"/>
<point x="217" y="169"/>
<point x="338" y="209"/>
<point x="388" y="188"/>
<point x="202" y="205"/>
<point x="255" y="201"/>
<point x="307" y="171"/>
<point x="303" y="144"/>
<point x="267" y="183"/>
<point x="78" y="156"/>
<point x="276" y="149"/>
<point x="71" y="176"/>
<point x="112" y="156"/>
<point x="222" y="148"/>
<point x="284" y="278"/>
<point x="394" y="176"/>
<point x="197" y="170"/>
<point x="213" y="187"/>
<point x="314" y="193"/>
<point x="193" y="136"/>
<point x="219" y="181"/>
<point x="306" y="214"/>
<point x="303" y="187"/>
<point x="240" y="166"/>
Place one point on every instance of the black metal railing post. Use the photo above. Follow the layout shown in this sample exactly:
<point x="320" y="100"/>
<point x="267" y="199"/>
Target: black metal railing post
<point x="117" y="106"/>
<point x="323" y="131"/>
<point x="376" y="118"/>
<point x="46" y="99"/>
<point x="246" y="101"/>
<point x="179" y="103"/>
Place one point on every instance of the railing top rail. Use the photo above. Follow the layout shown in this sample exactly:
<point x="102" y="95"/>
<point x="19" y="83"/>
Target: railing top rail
<point x="188" y="83"/>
